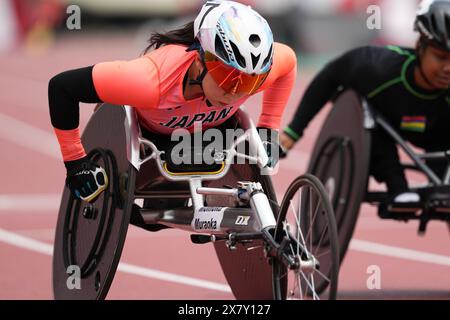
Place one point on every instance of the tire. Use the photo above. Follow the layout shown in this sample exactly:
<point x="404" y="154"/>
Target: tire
<point x="340" y="161"/>
<point x="314" y="229"/>
<point x="89" y="238"/>
<point x="335" y="169"/>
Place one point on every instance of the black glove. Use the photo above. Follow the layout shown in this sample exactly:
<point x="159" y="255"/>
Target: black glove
<point x="270" y="140"/>
<point x="85" y="179"/>
<point x="283" y="152"/>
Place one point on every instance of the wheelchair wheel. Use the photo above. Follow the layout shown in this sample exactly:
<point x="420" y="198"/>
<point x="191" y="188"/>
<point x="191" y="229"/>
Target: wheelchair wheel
<point x="89" y="238"/>
<point x="341" y="161"/>
<point x="306" y="217"/>
<point x="246" y="269"/>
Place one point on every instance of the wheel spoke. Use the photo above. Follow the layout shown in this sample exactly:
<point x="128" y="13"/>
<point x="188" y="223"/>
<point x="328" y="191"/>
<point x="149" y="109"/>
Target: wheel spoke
<point x="312" y="282"/>
<point x="310" y="219"/>
<point x="312" y="222"/>
<point x="322" y="275"/>
<point x="313" y="239"/>
<point x="300" y="287"/>
<point x="322" y="254"/>
<point x="290" y="244"/>
<point x="299" y="231"/>
<point x="315" y="296"/>
<point x="320" y="240"/>
<point x="283" y="275"/>
<point x="313" y="219"/>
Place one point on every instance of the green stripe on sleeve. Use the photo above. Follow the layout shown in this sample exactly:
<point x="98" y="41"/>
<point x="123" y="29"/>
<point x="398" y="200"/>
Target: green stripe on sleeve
<point x="291" y="133"/>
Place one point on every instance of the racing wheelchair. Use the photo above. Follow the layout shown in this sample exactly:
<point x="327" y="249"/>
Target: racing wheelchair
<point x="341" y="160"/>
<point x="266" y="250"/>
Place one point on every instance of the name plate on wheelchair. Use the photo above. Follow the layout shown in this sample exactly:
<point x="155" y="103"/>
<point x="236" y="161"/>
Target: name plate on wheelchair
<point x="208" y="218"/>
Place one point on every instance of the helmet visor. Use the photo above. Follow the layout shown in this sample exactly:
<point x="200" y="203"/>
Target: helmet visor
<point x="231" y="79"/>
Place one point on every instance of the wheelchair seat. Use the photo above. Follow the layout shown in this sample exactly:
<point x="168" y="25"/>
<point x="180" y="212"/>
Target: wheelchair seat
<point x="189" y="167"/>
<point x="189" y="160"/>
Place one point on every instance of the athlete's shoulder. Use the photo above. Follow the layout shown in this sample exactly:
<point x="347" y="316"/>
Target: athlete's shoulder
<point x="170" y="56"/>
<point x="284" y="58"/>
<point x="375" y="61"/>
<point x="402" y="51"/>
<point x="172" y="62"/>
<point x="284" y="52"/>
<point x="133" y="82"/>
<point x="283" y="49"/>
<point x="167" y="50"/>
<point x="379" y="53"/>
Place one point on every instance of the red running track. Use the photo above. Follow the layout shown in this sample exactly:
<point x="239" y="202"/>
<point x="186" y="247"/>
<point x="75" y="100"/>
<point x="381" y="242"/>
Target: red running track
<point x="166" y="265"/>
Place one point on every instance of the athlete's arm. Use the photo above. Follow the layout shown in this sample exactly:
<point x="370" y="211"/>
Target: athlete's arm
<point x="65" y="91"/>
<point x="281" y="82"/>
<point x="347" y="71"/>
<point x="132" y="82"/>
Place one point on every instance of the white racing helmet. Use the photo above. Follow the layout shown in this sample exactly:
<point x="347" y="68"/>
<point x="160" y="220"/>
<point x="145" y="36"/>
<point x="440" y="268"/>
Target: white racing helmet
<point x="236" y="34"/>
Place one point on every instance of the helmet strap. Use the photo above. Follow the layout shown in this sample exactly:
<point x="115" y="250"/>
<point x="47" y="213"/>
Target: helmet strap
<point x="199" y="80"/>
<point x="195" y="46"/>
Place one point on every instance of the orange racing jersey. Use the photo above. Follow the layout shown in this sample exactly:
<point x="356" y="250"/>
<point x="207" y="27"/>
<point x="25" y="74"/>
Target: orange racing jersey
<point x="153" y="85"/>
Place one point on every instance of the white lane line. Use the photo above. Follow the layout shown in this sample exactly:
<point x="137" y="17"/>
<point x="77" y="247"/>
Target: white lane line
<point x="17" y="240"/>
<point x="357" y="245"/>
<point x="30" y="202"/>
<point x="47" y="249"/>
<point x="397" y="252"/>
<point x="28" y="136"/>
<point x="41" y="234"/>
<point x="165" y="276"/>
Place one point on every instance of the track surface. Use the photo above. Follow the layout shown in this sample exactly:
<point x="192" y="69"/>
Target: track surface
<point x="165" y="265"/>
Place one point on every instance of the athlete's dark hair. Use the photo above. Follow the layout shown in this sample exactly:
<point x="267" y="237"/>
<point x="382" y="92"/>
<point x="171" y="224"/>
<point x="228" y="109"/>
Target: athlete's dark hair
<point x="422" y="44"/>
<point x="183" y="36"/>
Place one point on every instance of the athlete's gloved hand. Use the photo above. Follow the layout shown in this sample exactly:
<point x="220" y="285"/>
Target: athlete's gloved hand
<point x="270" y="140"/>
<point x="85" y="179"/>
<point x="287" y="142"/>
<point x="283" y="152"/>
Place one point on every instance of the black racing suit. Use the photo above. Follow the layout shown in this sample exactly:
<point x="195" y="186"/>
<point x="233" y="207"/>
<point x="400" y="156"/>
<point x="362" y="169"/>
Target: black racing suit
<point x="385" y="77"/>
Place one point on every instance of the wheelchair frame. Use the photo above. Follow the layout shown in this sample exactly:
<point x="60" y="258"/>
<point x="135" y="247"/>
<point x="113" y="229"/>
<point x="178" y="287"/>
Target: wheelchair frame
<point x="433" y="207"/>
<point x="341" y="159"/>
<point x="435" y="195"/>
<point x="248" y="226"/>
<point x="229" y="219"/>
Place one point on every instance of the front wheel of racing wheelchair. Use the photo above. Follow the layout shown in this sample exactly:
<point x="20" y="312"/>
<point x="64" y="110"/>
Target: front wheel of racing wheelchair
<point x="90" y="237"/>
<point x="307" y="218"/>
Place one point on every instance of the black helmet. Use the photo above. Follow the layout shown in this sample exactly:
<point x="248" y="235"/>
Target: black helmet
<point x="433" y="22"/>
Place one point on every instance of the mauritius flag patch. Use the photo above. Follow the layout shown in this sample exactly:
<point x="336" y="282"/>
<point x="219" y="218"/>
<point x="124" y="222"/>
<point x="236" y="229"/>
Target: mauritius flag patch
<point x="416" y="124"/>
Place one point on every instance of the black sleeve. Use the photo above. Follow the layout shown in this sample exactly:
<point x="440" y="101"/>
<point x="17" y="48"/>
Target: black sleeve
<point x="341" y="73"/>
<point x="65" y="91"/>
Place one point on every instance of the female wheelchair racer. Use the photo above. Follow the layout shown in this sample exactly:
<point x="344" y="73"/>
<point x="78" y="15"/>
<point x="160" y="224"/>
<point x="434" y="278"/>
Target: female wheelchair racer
<point x="201" y="73"/>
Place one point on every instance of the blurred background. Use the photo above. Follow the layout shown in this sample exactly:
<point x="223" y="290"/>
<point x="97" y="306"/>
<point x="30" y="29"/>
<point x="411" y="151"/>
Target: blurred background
<point x="41" y="38"/>
<point x="311" y="27"/>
